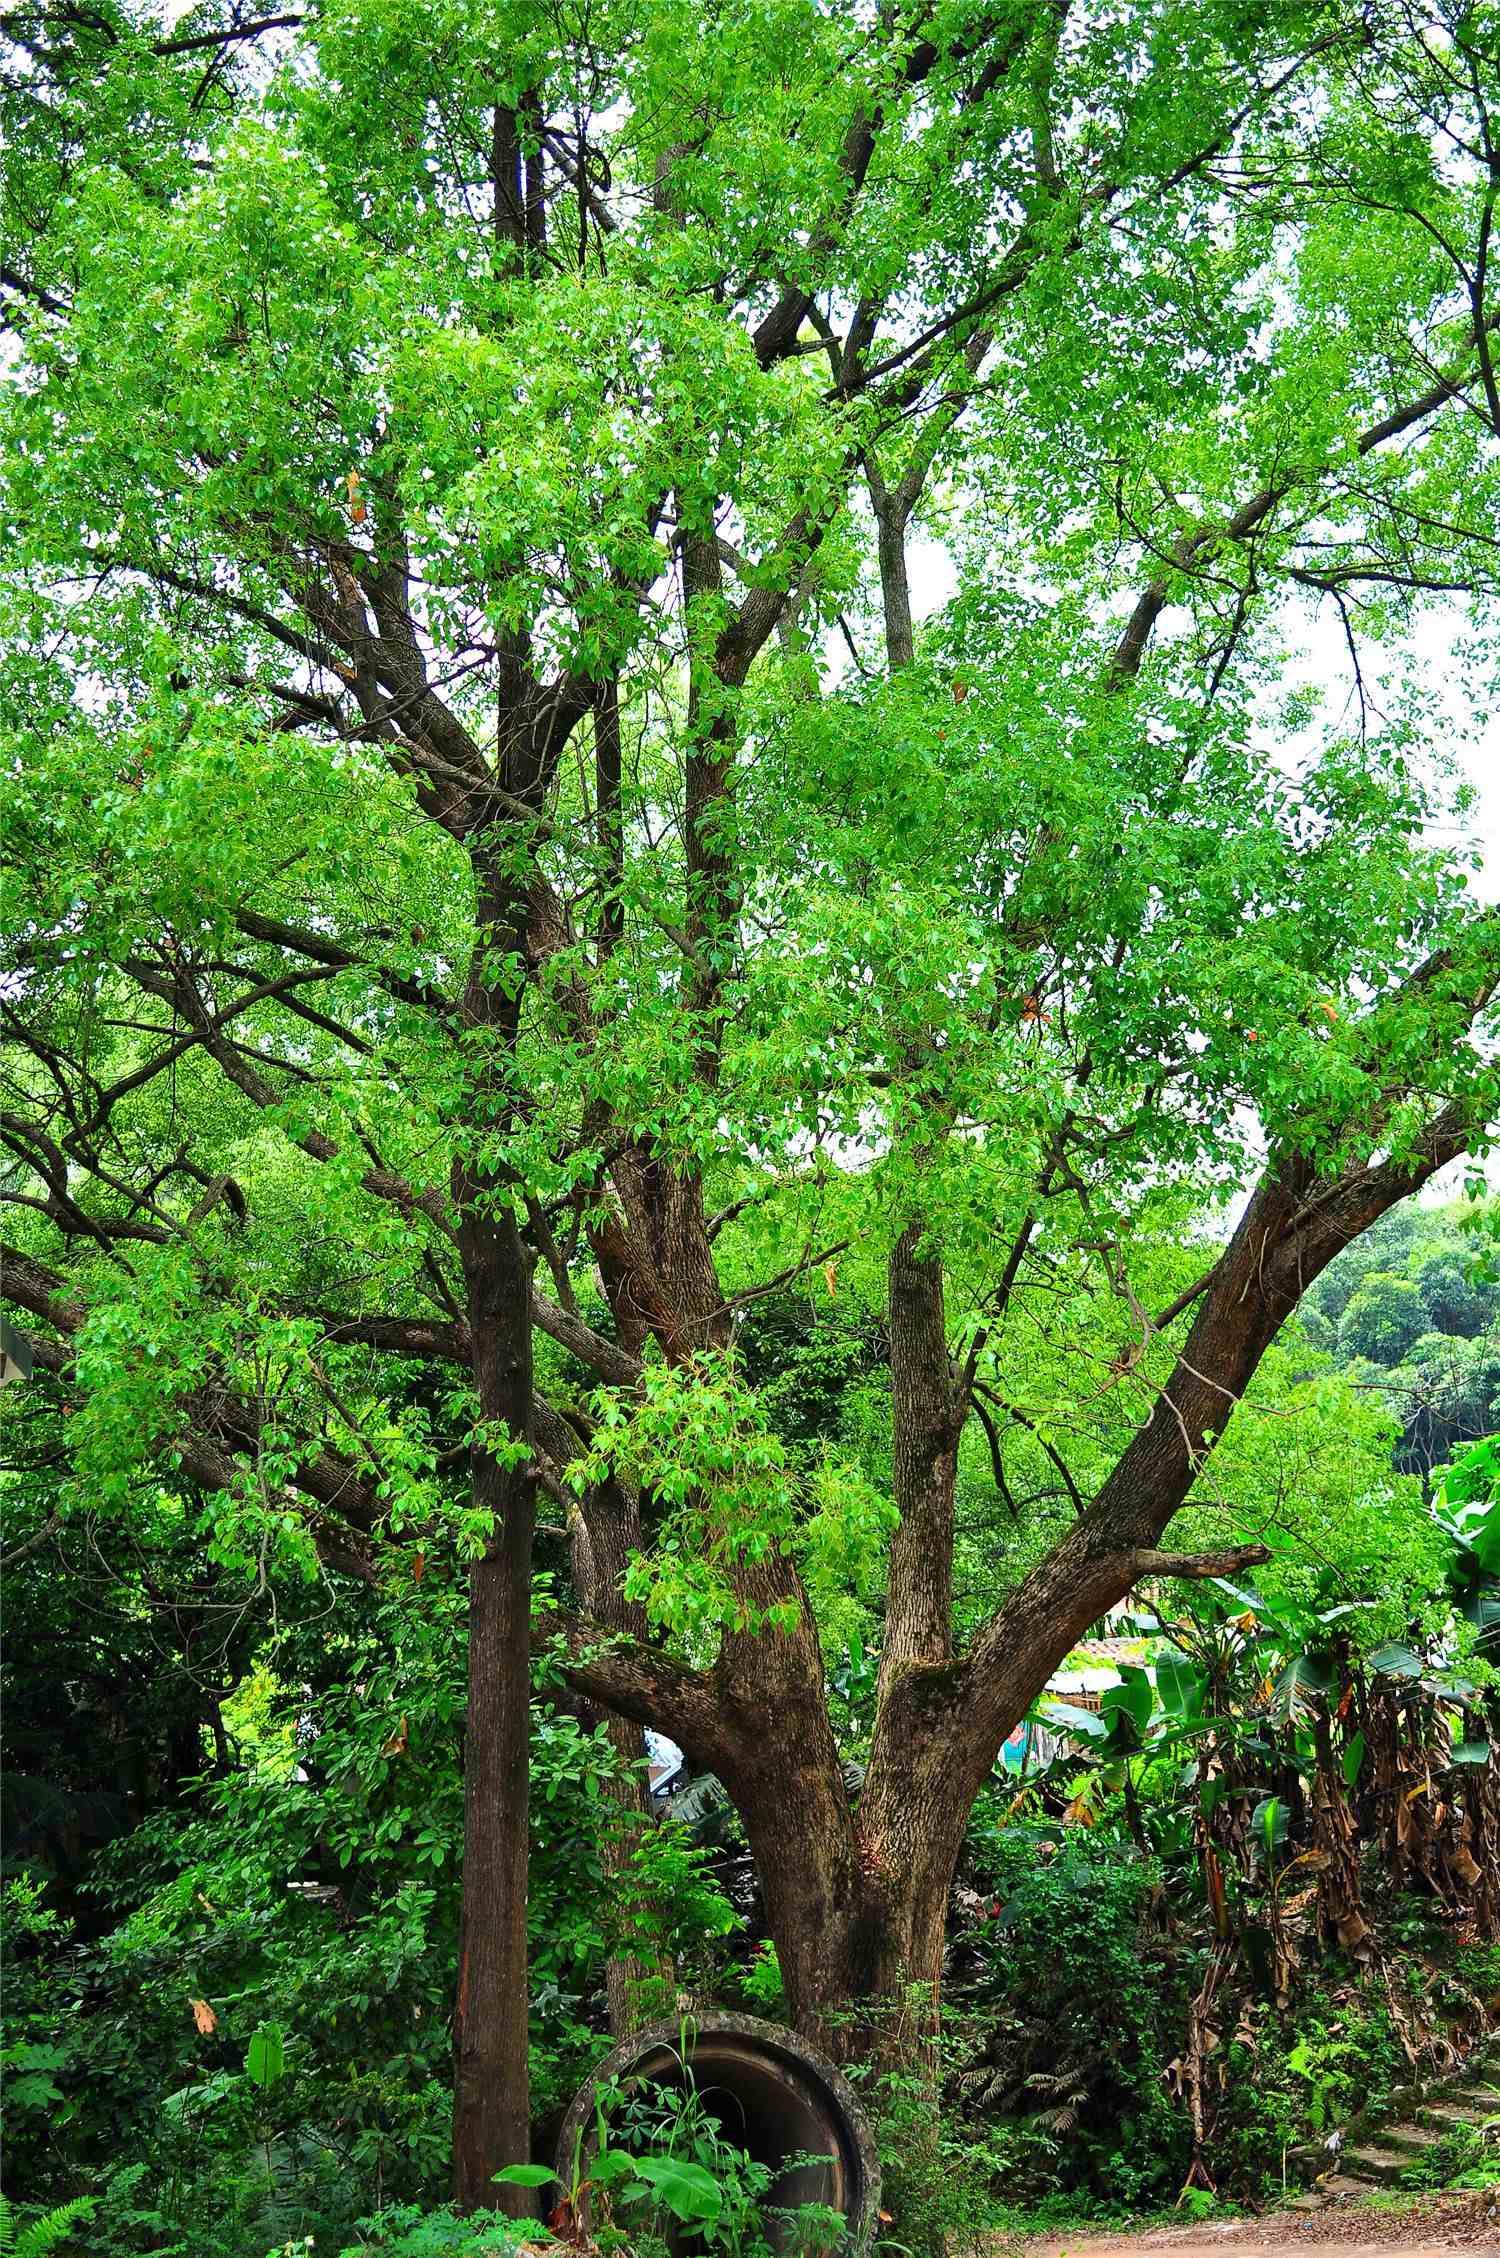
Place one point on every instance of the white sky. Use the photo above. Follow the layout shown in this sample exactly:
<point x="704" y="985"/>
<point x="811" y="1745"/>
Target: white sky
<point x="1473" y="743"/>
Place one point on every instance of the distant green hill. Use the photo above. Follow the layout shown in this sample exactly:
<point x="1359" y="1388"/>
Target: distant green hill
<point x="1413" y="1309"/>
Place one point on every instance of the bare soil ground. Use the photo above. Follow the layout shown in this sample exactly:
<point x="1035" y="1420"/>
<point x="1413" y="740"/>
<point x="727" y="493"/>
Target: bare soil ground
<point x="1428" y="2226"/>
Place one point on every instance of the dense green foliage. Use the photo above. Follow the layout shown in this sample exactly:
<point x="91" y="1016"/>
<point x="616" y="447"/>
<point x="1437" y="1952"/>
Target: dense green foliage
<point x="1239" y="1904"/>
<point x="310" y="1889"/>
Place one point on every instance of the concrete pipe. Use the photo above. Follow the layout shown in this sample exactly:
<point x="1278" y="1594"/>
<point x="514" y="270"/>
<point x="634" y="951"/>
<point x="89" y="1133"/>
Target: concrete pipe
<point x="772" y="2095"/>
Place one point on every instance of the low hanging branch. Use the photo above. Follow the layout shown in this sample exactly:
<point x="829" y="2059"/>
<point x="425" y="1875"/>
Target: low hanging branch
<point x="1233" y="1560"/>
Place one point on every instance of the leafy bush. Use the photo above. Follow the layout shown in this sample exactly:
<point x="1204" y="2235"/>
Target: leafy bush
<point x="47" y="2231"/>
<point x="1072" y="2016"/>
<point x="314" y="1893"/>
<point x="762" y="1987"/>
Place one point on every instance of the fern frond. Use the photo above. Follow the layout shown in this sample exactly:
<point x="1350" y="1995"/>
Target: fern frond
<point x="43" y="2234"/>
<point x="1062" y="2119"/>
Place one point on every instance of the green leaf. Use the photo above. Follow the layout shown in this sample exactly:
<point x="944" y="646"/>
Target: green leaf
<point x="1396" y="1661"/>
<point x="612" y="2165"/>
<point x="1075" y="1720"/>
<point x="265" y="2058"/>
<point x="1132" y="1698"/>
<point x="689" y="2192"/>
<point x="1307" y="1677"/>
<point x="1268" y="1822"/>
<point x="1180" y="1686"/>
<point x="525" y="2175"/>
<point x="1471" y="1752"/>
<point x="1484" y="1540"/>
<point x="33" y="2090"/>
<point x="1354" y="1756"/>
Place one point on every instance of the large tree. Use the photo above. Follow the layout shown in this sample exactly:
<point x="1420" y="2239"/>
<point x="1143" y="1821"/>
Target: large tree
<point x="505" y="882"/>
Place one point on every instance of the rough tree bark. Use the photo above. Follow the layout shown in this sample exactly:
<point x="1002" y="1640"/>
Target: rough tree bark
<point x="491" y="2095"/>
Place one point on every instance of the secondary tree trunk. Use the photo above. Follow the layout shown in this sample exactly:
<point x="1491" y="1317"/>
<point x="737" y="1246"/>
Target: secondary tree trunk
<point x="491" y="2095"/>
<point x="860" y="1940"/>
<point x="491" y="2104"/>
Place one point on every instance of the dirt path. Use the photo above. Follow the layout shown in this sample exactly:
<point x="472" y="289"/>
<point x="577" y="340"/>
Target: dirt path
<point x="1250" y="2246"/>
<point x="1425" y="2227"/>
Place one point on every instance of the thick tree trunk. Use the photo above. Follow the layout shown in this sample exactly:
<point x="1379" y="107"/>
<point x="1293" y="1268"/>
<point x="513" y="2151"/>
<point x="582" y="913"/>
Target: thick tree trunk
<point x="856" y="1898"/>
<point x="855" y="1887"/>
<point x="782" y="1770"/>
<point x="858" y="1926"/>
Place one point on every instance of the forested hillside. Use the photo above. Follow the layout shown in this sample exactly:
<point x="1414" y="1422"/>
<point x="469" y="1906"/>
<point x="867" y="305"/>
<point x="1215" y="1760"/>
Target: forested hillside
<point x="1413" y="1314"/>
